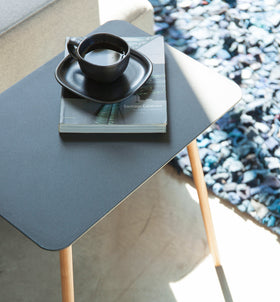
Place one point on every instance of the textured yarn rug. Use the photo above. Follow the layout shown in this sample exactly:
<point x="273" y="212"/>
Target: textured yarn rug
<point x="240" y="154"/>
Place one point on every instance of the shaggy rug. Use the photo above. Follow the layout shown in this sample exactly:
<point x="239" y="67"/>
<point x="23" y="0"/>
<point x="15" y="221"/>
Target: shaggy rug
<point x="240" y="154"/>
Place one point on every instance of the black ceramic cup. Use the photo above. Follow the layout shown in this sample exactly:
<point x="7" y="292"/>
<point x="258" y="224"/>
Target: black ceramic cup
<point x="102" y="57"/>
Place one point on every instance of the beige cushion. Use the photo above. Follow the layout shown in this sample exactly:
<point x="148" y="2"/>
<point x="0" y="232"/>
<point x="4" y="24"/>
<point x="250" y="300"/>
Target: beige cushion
<point x="42" y="36"/>
<point x="137" y="12"/>
<point x="39" y="38"/>
<point x="15" y="11"/>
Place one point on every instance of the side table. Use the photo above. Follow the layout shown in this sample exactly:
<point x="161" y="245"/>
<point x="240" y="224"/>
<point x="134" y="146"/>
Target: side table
<point x="53" y="187"/>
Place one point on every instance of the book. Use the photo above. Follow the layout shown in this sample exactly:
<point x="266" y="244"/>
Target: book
<point x="143" y="112"/>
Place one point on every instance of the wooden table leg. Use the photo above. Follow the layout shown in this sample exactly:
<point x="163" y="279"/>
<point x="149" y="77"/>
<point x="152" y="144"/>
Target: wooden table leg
<point x="201" y="188"/>
<point x="66" y="272"/>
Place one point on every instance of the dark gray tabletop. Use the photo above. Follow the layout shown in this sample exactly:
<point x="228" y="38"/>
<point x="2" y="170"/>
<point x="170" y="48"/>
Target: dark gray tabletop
<point x="55" y="187"/>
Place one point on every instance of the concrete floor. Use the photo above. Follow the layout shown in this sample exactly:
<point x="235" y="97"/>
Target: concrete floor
<point x="151" y="248"/>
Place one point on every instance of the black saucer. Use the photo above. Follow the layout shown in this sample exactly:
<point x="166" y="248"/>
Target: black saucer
<point x="139" y="69"/>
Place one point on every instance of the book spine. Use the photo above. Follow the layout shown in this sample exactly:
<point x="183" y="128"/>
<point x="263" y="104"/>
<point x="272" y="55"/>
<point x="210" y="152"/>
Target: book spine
<point x="62" y="110"/>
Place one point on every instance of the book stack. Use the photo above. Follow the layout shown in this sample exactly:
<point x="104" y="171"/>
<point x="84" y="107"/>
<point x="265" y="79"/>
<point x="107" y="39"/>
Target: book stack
<point x="145" y="111"/>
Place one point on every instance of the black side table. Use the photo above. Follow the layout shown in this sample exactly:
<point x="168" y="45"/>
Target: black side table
<point x="54" y="187"/>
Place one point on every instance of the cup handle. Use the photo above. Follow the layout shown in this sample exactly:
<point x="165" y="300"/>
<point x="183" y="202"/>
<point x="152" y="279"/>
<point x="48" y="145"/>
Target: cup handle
<point x="72" y="46"/>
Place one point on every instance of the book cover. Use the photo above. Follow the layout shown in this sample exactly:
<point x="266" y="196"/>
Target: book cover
<point x="143" y="112"/>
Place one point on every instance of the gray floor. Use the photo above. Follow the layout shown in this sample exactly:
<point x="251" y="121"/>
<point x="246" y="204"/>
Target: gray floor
<point x="151" y="248"/>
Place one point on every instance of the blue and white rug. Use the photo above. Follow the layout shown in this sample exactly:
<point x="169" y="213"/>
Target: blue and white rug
<point x="240" y="39"/>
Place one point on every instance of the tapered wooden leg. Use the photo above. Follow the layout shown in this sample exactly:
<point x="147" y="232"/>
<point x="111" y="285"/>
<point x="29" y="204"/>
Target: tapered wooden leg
<point x="66" y="272"/>
<point x="201" y="188"/>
